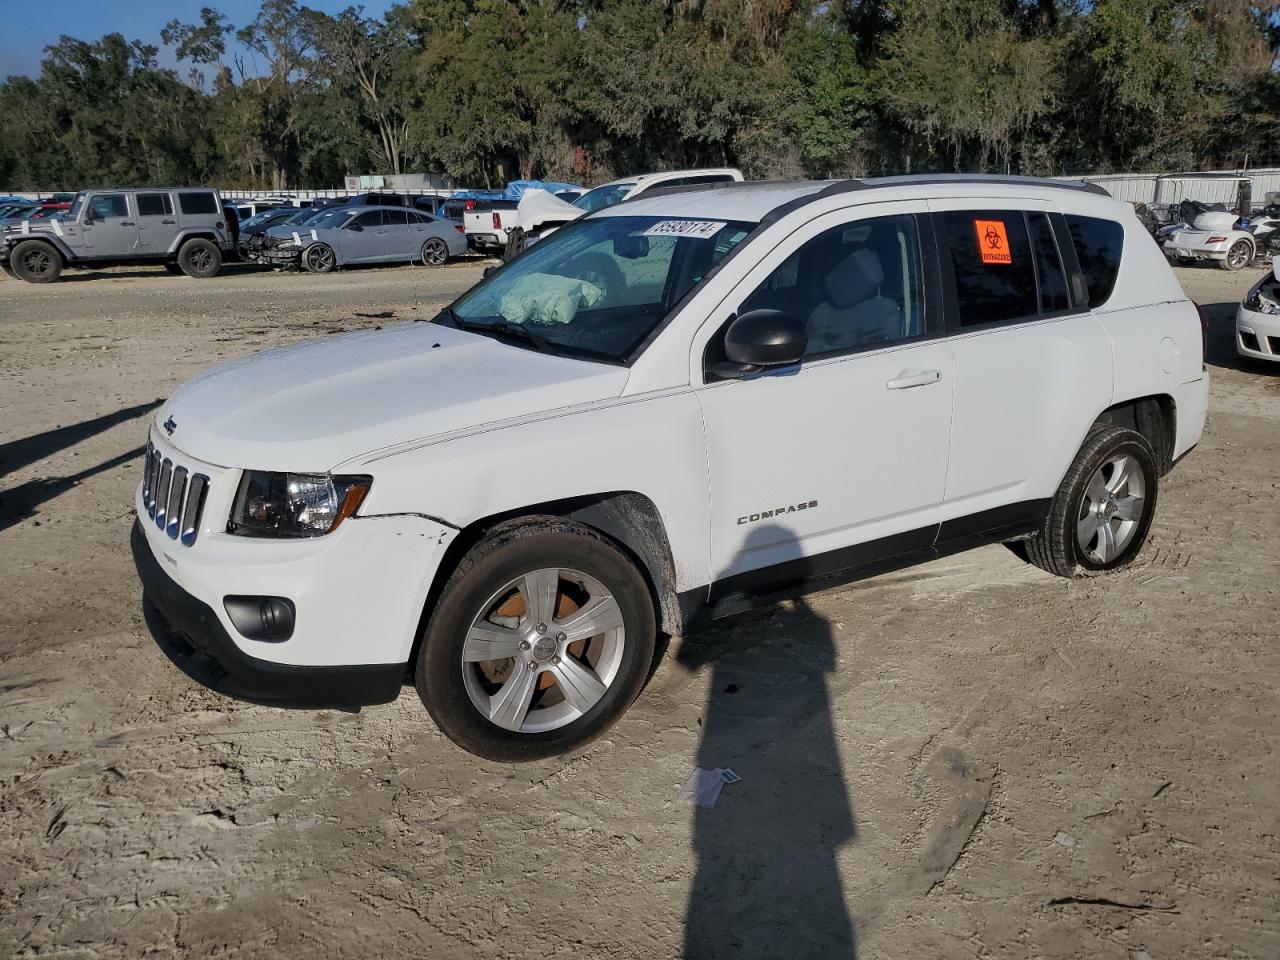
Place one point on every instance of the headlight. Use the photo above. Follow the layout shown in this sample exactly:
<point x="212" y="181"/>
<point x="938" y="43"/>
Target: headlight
<point x="294" y="504"/>
<point x="1255" y="301"/>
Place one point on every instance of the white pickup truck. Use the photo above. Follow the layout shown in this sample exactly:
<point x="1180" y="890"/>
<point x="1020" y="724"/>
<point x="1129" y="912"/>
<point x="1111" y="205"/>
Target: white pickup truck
<point x="487" y="222"/>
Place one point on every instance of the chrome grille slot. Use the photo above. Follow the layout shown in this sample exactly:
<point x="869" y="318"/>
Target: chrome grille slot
<point x="197" y="487"/>
<point x="173" y="496"/>
<point x="162" y="491"/>
<point x="177" y="490"/>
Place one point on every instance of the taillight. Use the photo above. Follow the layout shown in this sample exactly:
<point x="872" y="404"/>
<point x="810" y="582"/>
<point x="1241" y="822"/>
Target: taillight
<point x="1215" y="240"/>
<point x="497" y="221"/>
<point x="470" y="205"/>
<point x="460" y="228"/>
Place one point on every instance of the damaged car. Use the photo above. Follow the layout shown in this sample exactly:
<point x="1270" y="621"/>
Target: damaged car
<point x="1258" y="319"/>
<point x="348" y="236"/>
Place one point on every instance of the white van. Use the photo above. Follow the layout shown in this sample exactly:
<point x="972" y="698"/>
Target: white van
<point x="673" y="409"/>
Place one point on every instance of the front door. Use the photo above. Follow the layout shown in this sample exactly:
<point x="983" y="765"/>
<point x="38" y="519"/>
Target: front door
<point x="841" y="460"/>
<point x="109" y="227"/>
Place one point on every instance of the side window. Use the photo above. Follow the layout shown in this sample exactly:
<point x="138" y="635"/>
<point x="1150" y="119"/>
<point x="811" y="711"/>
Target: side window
<point x="855" y="286"/>
<point x="370" y="218"/>
<point x="1053" y="279"/>
<point x="395" y="218"/>
<point x="1098" y="244"/>
<point x="193" y="202"/>
<point x="108" y="206"/>
<point x="995" y="281"/>
<point x="154" y="205"/>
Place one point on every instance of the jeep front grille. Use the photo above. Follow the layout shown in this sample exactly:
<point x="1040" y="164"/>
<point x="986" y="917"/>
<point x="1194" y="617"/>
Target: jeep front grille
<point x="173" y="496"/>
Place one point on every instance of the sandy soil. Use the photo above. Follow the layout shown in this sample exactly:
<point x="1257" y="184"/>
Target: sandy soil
<point x="966" y="759"/>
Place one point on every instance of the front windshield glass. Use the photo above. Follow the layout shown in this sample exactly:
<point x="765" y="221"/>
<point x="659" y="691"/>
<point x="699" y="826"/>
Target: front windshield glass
<point x="303" y="216"/>
<point x="329" y="218"/>
<point x="599" y="287"/>
<point x="602" y="197"/>
<point x="76" y="204"/>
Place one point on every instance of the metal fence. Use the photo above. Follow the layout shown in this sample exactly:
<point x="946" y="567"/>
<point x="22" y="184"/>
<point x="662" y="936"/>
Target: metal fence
<point x="1212" y="186"/>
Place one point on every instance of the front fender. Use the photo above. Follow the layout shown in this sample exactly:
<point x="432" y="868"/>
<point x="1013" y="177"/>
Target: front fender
<point x="651" y="445"/>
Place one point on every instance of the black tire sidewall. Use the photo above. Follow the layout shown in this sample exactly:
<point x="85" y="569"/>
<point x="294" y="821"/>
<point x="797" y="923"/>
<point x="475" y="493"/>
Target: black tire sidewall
<point x="20" y="251"/>
<point x="1136" y="446"/>
<point x="185" y="253"/>
<point x="438" y="673"/>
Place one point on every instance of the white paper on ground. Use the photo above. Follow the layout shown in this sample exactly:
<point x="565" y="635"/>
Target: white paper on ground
<point x="703" y="787"/>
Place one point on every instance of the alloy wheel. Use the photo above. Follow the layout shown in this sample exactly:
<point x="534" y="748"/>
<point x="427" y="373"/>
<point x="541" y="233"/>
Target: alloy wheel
<point x="319" y="259"/>
<point x="435" y="253"/>
<point x="1238" y="256"/>
<point x="37" y="262"/>
<point x="1111" y="509"/>
<point x="543" y="650"/>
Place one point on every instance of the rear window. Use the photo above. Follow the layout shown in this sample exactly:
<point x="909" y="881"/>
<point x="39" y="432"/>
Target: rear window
<point x="154" y="205"/>
<point x="995" y="280"/>
<point x="1098" y="244"/>
<point x="198" y="202"/>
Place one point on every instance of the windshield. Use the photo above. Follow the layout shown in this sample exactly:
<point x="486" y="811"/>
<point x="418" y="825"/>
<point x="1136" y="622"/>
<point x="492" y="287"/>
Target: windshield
<point x="76" y="204"/>
<point x="303" y="215"/>
<point x="329" y="218"/>
<point x="598" y="288"/>
<point x="602" y="197"/>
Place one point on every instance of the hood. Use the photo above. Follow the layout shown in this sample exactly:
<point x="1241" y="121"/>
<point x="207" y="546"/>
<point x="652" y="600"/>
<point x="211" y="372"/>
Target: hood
<point x="538" y="207"/>
<point x="314" y="405"/>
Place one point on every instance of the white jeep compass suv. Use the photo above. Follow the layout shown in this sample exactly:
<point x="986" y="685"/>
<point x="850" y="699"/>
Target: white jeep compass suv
<point x="672" y="409"/>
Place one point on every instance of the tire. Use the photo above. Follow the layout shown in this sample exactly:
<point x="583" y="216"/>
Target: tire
<point x="35" y="261"/>
<point x="200" y="258"/>
<point x="523" y="688"/>
<point x="435" y="252"/>
<point x="1239" y="255"/>
<point x="173" y="268"/>
<point x="319" y="258"/>
<point x="1073" y="542"/>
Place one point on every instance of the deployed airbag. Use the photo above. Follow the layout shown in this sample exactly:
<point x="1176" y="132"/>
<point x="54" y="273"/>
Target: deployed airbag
<point x="548" y="298"/>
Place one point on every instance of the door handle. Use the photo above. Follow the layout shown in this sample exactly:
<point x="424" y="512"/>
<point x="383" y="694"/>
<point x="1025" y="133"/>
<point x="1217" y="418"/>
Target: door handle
<point x="906" y="379"/>
<point x="126" y="223"/>
<point x="169" y="221"/>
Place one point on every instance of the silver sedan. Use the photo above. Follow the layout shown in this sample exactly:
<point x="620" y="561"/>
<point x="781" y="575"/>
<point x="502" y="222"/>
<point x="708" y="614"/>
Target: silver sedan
<point x="354" y="235"/>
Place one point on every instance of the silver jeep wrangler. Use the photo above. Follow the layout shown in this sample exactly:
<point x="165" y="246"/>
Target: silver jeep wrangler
<point x="185" y="229"/>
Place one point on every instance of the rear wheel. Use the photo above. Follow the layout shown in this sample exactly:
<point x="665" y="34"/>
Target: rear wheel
<point x="35" y="261"/>
<point x="1099" y="518"/>
<point x="540" y="640"/>
<point x="319" y="258"/>
<point x="200" y="258"/>
<point x="435" y="252"/>
<point x="1239" y="256"/>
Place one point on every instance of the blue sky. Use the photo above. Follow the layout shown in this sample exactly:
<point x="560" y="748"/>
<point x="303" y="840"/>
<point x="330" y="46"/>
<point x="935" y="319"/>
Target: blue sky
<point x="26" y="28"/>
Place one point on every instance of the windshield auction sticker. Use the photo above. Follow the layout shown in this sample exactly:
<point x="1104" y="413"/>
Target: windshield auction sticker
<point x="993" y="242"/>
<point x="702" y="229"/>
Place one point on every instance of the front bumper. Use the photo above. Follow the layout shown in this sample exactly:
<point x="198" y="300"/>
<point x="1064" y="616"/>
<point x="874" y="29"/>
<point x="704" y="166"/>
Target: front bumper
<point x="288" y="256"/>
<point x="1258" y="335"/>
<point x="230" y="670"/>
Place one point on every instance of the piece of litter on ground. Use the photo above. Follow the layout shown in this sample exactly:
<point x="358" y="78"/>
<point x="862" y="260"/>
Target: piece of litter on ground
<point x="1142" y="955"/>
<point x="1064" y="839"/>
<point x="703" y="787"/>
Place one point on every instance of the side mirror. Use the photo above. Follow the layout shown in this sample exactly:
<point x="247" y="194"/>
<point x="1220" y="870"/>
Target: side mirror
<point x="765" y="338"/>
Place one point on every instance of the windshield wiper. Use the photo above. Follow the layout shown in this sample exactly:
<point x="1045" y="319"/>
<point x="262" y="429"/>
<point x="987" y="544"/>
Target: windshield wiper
<point x="512" y="331"/>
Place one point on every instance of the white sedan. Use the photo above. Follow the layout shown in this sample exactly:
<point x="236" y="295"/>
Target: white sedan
<point x="1258" y="319"/>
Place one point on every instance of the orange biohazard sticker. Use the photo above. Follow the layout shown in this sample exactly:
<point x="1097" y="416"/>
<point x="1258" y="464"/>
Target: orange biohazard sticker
<point x="993" y="242"/>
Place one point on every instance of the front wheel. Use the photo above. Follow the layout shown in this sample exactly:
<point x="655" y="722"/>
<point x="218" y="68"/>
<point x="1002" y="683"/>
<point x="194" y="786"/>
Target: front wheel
<point x="200" y="258"/>
<point x="1099" y="518"/>
<point x="541" y="639"/>
<point x="35" y="262"/>
<point x="319" y="258"/>
<point x="435" y="252"/>
<point x="1239" y="256"/>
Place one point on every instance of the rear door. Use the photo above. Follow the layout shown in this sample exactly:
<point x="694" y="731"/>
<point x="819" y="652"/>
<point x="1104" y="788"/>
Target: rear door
<point x="397" y="238"/>
<point x="109" y="226"/>
<point x="157" y="224"/>
<point x="1032" y="366"/>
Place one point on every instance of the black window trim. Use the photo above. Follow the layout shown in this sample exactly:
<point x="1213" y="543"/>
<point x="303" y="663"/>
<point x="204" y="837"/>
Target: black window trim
<point x="1035" y="264"/>
<point x="946" y="267"/>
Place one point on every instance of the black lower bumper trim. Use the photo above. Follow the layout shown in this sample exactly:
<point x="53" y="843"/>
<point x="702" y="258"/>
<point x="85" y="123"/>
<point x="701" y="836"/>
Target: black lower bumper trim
<point x="191" y="635"/>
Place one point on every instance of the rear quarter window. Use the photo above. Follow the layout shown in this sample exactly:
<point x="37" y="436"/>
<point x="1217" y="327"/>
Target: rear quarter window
<point x="1098" y="245"/>
<point x="195" y="202"/>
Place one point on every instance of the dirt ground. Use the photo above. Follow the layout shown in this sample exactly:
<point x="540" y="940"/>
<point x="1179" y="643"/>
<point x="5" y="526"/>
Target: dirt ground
<point x="965" y="759"/>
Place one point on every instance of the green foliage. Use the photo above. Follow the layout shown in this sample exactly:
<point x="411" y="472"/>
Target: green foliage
<point x="488" y="90"/>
